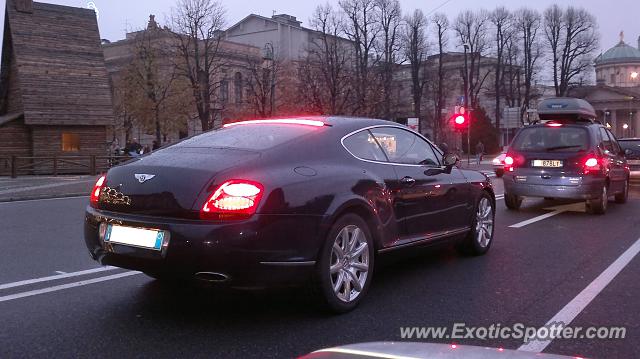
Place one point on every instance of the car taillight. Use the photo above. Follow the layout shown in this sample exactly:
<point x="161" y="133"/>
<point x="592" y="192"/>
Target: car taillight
<point x="591" y="164"/>
<point x="235" y="199"/>
<point x="508" y="163"/>
<point x="95" y="193"/>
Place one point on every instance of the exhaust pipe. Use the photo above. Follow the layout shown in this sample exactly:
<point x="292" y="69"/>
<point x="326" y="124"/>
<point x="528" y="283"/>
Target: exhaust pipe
<point x="212" y="277"/>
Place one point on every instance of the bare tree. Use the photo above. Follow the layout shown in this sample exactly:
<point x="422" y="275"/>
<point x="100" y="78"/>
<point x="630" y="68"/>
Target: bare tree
<point x="528" y="24"/>
<point x="197" y="25"/>
<point x="415" y="48"/>
<point x="151" y="80"/>
<point x="572" y="36"/>
<point x="327" y="70"/>
<point x="264" y="74"/>
<point x="363" y="29"/>
<point x="390" y="20"/>
<point x="502" y="22"/>
<point x="512" y="72"/>
<point x="471" y="29"/>
<point x="441" y="23"/>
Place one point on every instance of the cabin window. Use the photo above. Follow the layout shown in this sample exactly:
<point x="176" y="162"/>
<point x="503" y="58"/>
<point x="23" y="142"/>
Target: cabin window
<point x="70" y="142"/>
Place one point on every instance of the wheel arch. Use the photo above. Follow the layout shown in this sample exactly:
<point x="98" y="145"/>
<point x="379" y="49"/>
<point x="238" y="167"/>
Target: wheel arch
<point x="364" y="210"/>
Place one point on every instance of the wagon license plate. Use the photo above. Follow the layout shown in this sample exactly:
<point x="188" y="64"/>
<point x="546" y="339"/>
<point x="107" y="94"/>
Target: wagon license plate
<point x="547" y="163"/>
<point x="135" y="237"/>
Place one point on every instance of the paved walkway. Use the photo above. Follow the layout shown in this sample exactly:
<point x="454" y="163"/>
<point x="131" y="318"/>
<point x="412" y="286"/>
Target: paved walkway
<point x="38" y="187"/>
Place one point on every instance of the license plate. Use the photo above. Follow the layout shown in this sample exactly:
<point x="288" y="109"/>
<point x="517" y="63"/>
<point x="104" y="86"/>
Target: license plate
<point x="135" y="237"/>
<point x="633" y="162"/>
<point x="547" y="163"/>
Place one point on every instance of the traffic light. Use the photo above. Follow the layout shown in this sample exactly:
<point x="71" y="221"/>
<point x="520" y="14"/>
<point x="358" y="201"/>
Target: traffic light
<point x="460" y="122"/>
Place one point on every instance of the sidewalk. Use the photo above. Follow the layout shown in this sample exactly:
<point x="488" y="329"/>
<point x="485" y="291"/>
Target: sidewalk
<point x="41" y="187"/>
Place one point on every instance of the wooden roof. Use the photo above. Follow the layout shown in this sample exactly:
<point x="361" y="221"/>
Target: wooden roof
<point x="60" y="64"/>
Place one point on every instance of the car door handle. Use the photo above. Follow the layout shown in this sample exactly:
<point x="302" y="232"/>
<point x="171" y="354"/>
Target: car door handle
<point x="408" y="181"/>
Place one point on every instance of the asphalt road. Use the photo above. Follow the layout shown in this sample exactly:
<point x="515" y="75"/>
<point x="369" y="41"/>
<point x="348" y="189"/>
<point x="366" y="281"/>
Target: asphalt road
<point x="532" y="274"/>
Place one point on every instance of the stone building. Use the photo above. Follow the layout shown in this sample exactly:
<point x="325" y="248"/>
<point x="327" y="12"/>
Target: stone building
<point x="230" y="99"/>
<point x="54" y="88"/>
<point x="616" y="95"/>
<point x="284" y="34"/>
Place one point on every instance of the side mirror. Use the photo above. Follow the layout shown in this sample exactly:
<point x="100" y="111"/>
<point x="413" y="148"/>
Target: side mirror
<point x="450" y="159"/>
<point x="434" y="171"/>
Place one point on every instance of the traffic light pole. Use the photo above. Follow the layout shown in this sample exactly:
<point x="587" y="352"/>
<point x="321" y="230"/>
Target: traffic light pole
<point x="469" y="145"/>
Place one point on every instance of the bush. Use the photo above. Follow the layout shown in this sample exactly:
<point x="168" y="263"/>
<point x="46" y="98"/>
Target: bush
<point x="483" y="130"/>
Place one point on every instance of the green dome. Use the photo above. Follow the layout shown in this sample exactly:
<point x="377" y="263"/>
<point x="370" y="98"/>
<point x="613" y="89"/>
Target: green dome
<point x="619" y="54"/>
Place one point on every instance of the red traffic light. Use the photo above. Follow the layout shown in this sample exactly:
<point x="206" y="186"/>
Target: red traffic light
<point x="460" y="122"/>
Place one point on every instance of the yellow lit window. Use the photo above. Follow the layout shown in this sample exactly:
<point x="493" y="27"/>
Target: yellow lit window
<point x="70" y="142"/>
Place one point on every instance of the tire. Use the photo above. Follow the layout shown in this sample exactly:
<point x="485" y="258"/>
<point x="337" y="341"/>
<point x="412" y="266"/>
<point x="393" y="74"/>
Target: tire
<point x="622" y="197"/>
<point x="599" y="205"/>
<point x="512" y="201"/>
<point x="346" y="277"/>
<point x="479" y="239"/>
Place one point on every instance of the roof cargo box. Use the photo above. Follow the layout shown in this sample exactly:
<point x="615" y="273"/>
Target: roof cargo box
<point x="554" y="108"/>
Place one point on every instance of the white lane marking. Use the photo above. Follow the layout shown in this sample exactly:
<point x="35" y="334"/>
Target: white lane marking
<point x="43" y="199"/>
<point x="535" y="219"/>
<point x="61" y="272"/>
<point x="570" y="311"/>
<point x="500" y="196"/>
<point x="54" y="277"/>
<point x="66" y="286"/>
<point x="573" y="207"/>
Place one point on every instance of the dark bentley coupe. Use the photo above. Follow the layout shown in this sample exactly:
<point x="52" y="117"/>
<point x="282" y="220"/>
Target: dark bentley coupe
<point x="287" y="201"/>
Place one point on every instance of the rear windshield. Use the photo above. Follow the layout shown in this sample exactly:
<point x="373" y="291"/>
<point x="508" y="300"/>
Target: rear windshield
<point x="552" y="139"/>
<point x="630" y="145"/>
<point x="249" y="137"/>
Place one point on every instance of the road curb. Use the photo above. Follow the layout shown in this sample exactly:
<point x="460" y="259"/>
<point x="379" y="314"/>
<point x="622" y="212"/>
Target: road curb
<point x="37" y="197"/>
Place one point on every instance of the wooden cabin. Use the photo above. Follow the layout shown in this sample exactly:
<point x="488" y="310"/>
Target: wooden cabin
<point x="55" y="97"/>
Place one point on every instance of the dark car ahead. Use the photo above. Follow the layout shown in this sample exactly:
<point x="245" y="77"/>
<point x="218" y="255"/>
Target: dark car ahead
<point x="631" y="148"/>
<point x="568" y="156"/>
<point x="291" y="201"/>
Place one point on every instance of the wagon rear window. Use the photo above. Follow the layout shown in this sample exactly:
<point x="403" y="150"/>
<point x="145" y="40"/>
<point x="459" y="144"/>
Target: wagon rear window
<point x="552" y="139"/>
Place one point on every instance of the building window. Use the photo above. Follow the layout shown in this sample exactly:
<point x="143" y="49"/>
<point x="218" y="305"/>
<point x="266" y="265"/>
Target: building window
<point x="70" y="142"/>
<point x="237" y="87"/>
<point x="224" y="91"/>
<point x="613" y="78"/>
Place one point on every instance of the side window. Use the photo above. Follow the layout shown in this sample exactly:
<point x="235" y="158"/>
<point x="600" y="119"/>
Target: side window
<point x="404" y="147"/>
<point x="606" y="141"/>
<point x="364" y="146"/>
<point x="614" y="142"/>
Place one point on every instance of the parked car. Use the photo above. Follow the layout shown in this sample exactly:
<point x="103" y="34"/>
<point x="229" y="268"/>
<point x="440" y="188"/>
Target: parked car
<point x="567" y="155"/>
<point x="498" y="164"/>
<point x="631" y="147"/>
<point x="290" y="201"/>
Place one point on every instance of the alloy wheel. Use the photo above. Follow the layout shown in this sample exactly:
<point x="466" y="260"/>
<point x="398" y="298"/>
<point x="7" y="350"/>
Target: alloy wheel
<point x="349" y="265"/>
<point x="484" y="222"/>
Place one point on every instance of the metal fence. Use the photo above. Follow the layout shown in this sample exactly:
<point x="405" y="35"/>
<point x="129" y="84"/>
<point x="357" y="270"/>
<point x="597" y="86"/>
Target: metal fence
<point x="15" y="166"/>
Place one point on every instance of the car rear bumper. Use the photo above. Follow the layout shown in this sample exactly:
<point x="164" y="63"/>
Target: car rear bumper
<point x="264" y="251"/>
<point x="589" y="188"/>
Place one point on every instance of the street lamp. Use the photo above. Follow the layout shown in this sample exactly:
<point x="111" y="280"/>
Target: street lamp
<point x="634" y="75"/>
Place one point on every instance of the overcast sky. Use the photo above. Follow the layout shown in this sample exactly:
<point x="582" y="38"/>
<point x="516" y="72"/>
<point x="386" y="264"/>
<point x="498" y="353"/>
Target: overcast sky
<point x="116" y="16"/>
